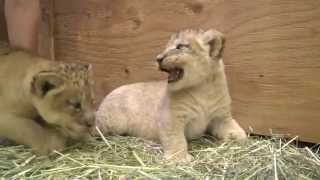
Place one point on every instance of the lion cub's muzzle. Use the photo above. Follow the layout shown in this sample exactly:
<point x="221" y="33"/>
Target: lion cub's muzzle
<point x="81" y="128"/>
<point x="89" y="120"/>
<point x="175" y="73"/>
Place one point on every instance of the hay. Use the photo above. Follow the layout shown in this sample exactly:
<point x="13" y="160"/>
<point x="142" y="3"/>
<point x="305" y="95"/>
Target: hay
<point x="129" y="158"/>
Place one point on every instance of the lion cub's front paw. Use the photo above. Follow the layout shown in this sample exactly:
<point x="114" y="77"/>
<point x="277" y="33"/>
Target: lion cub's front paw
<point x="178" y="158"/>
<point x="234" y="134"/>
<point x="54" y="141"/>
<point x="229" y="130"/>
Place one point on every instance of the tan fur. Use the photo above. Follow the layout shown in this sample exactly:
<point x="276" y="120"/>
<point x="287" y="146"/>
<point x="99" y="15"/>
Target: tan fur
<point x="37" y="100"/>
<point x="174" y="112"/>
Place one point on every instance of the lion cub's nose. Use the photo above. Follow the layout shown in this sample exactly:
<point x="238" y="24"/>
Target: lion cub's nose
<point x="89" y="124"/>
<point x="160" y="58"/>
<point x="89" y="120"/>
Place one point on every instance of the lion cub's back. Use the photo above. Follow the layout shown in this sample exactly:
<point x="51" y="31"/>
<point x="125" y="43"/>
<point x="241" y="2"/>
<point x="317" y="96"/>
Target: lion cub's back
<point x="134" y="109"/>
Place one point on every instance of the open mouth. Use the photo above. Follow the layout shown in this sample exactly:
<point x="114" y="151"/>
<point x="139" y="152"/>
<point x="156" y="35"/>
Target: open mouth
<point x="175" y="74"/>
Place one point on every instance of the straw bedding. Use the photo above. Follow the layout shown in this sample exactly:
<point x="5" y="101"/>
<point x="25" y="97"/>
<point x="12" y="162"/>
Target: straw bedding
<point x="133" y="158"/>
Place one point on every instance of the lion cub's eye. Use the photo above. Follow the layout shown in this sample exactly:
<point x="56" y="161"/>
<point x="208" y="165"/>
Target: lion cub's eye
<point x="75" y="104"/>
<point x="182" y="46"/>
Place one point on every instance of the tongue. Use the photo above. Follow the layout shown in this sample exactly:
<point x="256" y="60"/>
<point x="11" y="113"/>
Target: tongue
<point x="163" y="75"/>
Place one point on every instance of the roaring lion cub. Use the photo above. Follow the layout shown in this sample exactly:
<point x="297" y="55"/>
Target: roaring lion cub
<point x="43" y="103"/>
<point x="195" y="99"/>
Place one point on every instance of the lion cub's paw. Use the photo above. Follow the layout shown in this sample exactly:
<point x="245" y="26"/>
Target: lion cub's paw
<point x="181" y="158"/>
<point x="54" y="141"/>
<point x="234" y="134"/>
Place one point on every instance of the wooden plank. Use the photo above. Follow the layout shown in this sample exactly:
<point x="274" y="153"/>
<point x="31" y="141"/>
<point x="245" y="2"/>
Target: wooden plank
<point x="3" y="29"/>
<point x="46" y="36"/>
<point x="272" y="52"/>
<point x="274" y="66"/>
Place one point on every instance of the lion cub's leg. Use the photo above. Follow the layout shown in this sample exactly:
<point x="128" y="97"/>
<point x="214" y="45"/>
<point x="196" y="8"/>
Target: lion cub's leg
<point x="227" y="128"/>
<point x="174" y="142"/>
<point x="28" y="132"/>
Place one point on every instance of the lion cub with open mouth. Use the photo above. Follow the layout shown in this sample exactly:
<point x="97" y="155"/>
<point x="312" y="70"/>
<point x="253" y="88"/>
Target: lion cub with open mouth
<point x="195" y="99"/>
<point x="44" y="103"/>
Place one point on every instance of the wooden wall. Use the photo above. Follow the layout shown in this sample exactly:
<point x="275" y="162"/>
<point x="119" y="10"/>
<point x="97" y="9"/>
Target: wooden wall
<point x="3" y="30"/>
<point x="272" y="51"/>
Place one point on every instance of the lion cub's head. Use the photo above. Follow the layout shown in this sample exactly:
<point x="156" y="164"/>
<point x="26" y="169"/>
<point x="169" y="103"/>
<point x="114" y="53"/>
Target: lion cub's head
<point x="191" y="57"/>
<point x="64" y="98"/>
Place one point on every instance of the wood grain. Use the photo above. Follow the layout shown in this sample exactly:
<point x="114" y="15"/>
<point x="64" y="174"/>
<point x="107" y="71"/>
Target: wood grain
<point x="272" y="51"/>
<point x="46" y="36"/>
<point x="274" y="66"/>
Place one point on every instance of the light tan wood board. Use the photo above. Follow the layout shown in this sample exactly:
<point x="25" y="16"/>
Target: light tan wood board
<point x="272" y="51"/>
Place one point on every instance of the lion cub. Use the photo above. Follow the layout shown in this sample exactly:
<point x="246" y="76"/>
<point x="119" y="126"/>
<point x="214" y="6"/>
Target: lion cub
<point x="193" y="101"/>
<point x="43" y="103"/>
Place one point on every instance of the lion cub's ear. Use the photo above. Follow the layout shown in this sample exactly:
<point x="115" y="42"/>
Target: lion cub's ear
<point x="44" y="82"/>
<point x="216" y="41"/>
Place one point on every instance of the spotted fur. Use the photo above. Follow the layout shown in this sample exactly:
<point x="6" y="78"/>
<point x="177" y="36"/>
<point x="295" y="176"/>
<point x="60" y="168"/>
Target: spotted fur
<point x="44" y="103"/>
